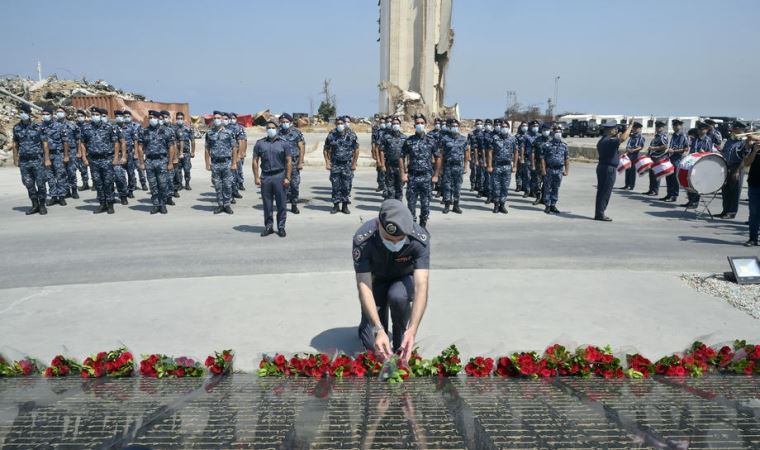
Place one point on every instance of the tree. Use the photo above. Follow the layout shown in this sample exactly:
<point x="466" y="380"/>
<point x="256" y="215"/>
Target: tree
<point x="326" y="110"/>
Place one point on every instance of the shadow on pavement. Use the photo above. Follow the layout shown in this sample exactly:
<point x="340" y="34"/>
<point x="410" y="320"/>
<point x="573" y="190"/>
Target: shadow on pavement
<point x="248" y="228"/>
<point x="87" y="207"/>
<point x="209" y="208"/>
<point x="22" y="209"/>
<point x="338" y="340"/>
<point x="318" y="207"/>
<point x="704" y="240"/>
<point x="368" y="208"/>
<point x="143" y="208"/>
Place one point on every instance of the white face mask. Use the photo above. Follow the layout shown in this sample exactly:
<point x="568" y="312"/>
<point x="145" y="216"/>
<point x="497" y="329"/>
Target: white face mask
<point x="557" y="136"/>
<point x="419" y="128"/>
<point x="23" y="116"/>
<point x="218" y="122"/>
<point x="455" y="130"/>
<point x="348" y="124"/>
<point x="395" y="247"/>
<point x="271" y="132"/>
<point x="119" y="119"/>
<point x="80" y="118"/>
<point x="479" y="126"/>
<point x="382" y="126"/>
<point x="545" y="133"/>
<point x="225" y="122"/>
<point x="396" y="127"/>
<point x="285" y="125"/>
<point x="160" y="121"/>
<point x="524" y="129"/>
<point x="46" y="117"/>
<point x="438" y="126"/>
<point x="496" y="129"/>
<point x="153" y="122"/>
<point x="104" y="119"/>
<point x="505" y="131"/>
<point x="60" y="115"/>
<point x="534" y="129"/>
<point x="180" y="121"/>
<point x="340" y="128"/>
<point x="95" y="119"/>
<point x="489" y="127"/>
<point x="128" y="119"/>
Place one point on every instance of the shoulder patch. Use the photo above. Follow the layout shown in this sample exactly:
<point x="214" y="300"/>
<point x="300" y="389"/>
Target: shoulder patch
<point x="365" y="232"/>
<point x="420" y="234"/>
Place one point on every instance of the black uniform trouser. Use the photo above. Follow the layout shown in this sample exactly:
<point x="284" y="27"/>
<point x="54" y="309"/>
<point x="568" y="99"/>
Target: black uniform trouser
<point x="394" y="295"/>
<point x="605" y="180"/>
<point x="732" y="190"/>
<point x="630" y="177"/>
<point x="654" y="183"/>
<point x="273" y="191"/>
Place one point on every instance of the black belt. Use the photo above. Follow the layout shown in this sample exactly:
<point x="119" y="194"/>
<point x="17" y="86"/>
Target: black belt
<point x="154" y="157"/>
<point x="99" y="157"/>
<point x="220" y="160"/>
<point x="503" y="163"/>
<point x="56" y="152"/>
<point x="30" y="158"/>
<point x="270" y="173"/>
<point x="421" y="172"/>
<point x="342" y="162"/>
<point x="454" y="164"/>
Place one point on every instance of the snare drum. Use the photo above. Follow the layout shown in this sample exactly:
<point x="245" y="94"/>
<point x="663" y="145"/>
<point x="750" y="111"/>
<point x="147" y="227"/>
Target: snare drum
<point x="702" y="173"/>
<point x="624" y="164"/>
<point x="643" y="163"/>
<point x="663" y="168"/>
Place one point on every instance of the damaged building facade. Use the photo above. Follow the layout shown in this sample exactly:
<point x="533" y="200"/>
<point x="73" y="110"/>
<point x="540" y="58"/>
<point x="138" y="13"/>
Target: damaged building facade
<point x="415" y="46"/>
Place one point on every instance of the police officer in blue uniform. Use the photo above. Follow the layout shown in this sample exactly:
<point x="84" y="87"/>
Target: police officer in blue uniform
<point x="120" y="169"/>
<point x="56" y="134"/>
<point x="164" y="123"/>
<point x="635" y="145"/>
<point x="341" y="153"/>
<point x="132" y="164"/>
<point x="503" y="152"/>
<point x="455" y="155"/>
<point x="391" y="257"/>
<point x="522" y="130"/>
<point x="81" y="121"/>
<point x="554" y="165"/>
<point x="714" y="134"/>
<point x="295" y="137"/>
<point x="101" y="144"/>
<point x="185" y="152"/>
<point x="473" y="141"/>
<point x="420" y="167"/>
<point x="608" y="148"/>
<point x="537" y="179"/>
<point x="272" y="169"/>
<point x="154" y="158"/>
<point x="734" y="151"/>
<point x="30" y="155"/>
<point x="701" y="143"/>
<point x="73" y="164"/>
<point x="436" y="134"/>
<point x="377" y="132"/>
<point x="131" y="135"/>
<point x="390" y="156"/>
<point x="527" y="156"/>
<point x="657" y="150"/>
<point x="241" y="146"/>
<point x="679" y="144"/>
<point x="221" y="159"/>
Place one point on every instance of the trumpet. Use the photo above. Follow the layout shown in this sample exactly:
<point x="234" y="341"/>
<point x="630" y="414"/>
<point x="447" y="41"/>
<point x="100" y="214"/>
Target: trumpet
<point x="746" y="135"/>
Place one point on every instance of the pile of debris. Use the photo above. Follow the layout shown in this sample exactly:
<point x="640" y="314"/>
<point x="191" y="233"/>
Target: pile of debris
<point x="39" y="94"/>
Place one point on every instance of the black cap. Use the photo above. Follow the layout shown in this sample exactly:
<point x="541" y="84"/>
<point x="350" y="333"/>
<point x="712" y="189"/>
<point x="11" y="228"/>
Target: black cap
<point x="659" y="124"/>
<point x="533" y="122"/>
<point x="437" y="120"/>
<point x="487" y="121"/>
<point x="702" y="126"/>
<point x="103" y="111"/>
<point x="545" y="126"/>
<point x="95" y="109"/>
<point x="498" y="121"/>
<point x="452" y="121"/>
<point x="232" y="114"/>
<point x="217" y="112"/>
<point x="47" y="110"/>
<point x="179" y="114"/>
<point x="118" y="112"/>
<point x="637" y="125"/>
<point x="478" y="120"/>
<point x="25" y="108"/>
<point x="286" y="116"/>
<point x="710" y="122"/>
<point x="126" y="112"/>
<point x="395" y="218"/>
<point x="676" y="122"/>
<point x="153" y="113"/>
<point x="739" y="125"/>
<point x="82" y="112"/>
<point x="419" y="116"/>
<point x="165" y="113"/>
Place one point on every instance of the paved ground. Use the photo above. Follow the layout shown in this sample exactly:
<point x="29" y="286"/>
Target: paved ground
<point x="246" y="412"/>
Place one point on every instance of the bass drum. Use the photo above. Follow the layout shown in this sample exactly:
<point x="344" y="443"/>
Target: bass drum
<point x="702" y="173"/>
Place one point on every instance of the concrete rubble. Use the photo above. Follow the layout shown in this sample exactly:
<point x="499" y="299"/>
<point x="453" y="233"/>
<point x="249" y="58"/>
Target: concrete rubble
<point x="47" y="92"/>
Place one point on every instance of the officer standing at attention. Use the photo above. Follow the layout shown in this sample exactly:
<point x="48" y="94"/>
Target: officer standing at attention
<point x="714" y="134"/>
<point x="154" y="158"/>
<point x="298" y="147"/>
<point x="700" y="143"/>
<point x="436" y="133"/>
<point x="522" y="130"/>
<point x="101" y="154"/>
<point x="84" y="172"/>
<point x="608" y="148"/>
<point x="120" y="169"/>
<point x="538" y="155"/>
<point x="73" y="164"/>
<point x="165" y="123"/>
<point x="455" y="155"/>
<point x="390" y="155"/>
<point x="135" y="167"/>
<point x="635" y="144"/>
<point x="527" y="157"/>
<point x="241" y="145"/>
<point x="30" y="155"/>
<point x="392" y="263"/>
<point x="734" y="151"/>
<point x="341" y="153"/>
<point x="56" y="135"/>
<point x="503" y="151"/>
<point x="753" y="189"/>
<point x="554" y="165"/>
<point x="657" y="150"/>
<point x="221" y="160"/>
<point x="420" y="165"/>
<point x="473" y="140"/>
<point x="679" y="143"/>
<point x="186" y="152"/>
<point x="131" y="135"/>
<point x="273" y="156"/>
<point x="377" y="132"/>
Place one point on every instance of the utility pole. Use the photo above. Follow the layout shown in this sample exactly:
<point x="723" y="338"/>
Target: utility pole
<point x="39" y="70"/>
<point x="556" y="93"/>
<point x="511" y="101"/>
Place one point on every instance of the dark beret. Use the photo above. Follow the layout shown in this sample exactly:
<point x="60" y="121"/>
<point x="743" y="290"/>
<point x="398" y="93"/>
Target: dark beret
<point x="165" y="113"/>
<point x="217" y="112"/>
<point x="637" y="125"/>
<point x="95" y="109"/>
<point x="478" y="120"/>
<point x="419" y="116"/>
<point x="118" y="112"/>
<point x="47" y="110"/>
<point x="25" y="108"/>
<point x="545" y="126"/>
<point x="232" y="114"/>
<point x="499" y="121"/>
<point x="127" y="112"/>
<point x="533" y="122"/>
<point x="487" y="121"/>
<point x="452" y="121"/>
<point x="82" y="112"/>
<point x="702" y="126"/>
<point x="286" y="116"/>
<point x="437" y="120"/>
<point x="153" y="113"/>
<point x="659" y="123"/>
<point x="395" y="218"/>
<point x="710" y="122"/>
<point x="676" y="122"/>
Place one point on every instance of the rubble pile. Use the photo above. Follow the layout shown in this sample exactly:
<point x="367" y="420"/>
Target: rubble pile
<point x="48" y="92"/>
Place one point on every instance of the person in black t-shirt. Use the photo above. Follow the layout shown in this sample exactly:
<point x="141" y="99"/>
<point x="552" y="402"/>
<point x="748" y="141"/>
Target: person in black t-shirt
<point x="753" y="190"/>
<point x="606" y="170"/>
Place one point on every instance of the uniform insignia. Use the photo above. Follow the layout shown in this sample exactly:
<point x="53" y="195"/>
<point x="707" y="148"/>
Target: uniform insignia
<point x="357" y="254"/>
<point x="390" y="228"/>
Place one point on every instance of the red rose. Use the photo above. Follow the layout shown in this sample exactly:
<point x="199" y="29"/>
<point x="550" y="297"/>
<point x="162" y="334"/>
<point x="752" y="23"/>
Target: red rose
<point x="227" y="356"/>
<point x="101" y="356"/>
<point x="49" y="372"/>
<point x="57" y="361"/>
<point x="179" y="372"/>
<point x="749" y="368"/>
<point x="215" y="370"/>
<point x="210" y="361"/>
<point x="64" y="370"/>
<point x="279" y="360"/>
<point x="85" y="374"/>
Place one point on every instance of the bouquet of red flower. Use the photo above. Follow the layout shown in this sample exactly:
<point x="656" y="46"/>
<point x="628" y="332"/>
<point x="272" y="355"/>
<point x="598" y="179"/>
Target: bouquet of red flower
<point x="528" y="364"/>
<point x="116" y="363"/>
<point x="638" y="366"/>
<point x="704" y="354"/>
<point x="23" y="367"/>
<point x="220" y="363"/>
<point x="747" y="359"/>
<point x="345" y="366"/>
<point x="725" y="357"/>
<point x="311" y="365"/>
<point x="274" y="367"/>
<point x="559" y="361"/>
<point x="598" y="361"/>
<point x="479" y="367"/>
<point x="162" y="366"/>
<point x="62" y="366"/>
<point x="670" y="366"/>
<point x="394" y="371"/>
<point x="419" y="367"/>
<point x="448" y="364"/>
<point x="369" y="361"/>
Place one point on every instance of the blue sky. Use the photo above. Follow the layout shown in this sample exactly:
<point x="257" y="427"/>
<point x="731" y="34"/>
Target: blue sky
<point x="687" y="57"/>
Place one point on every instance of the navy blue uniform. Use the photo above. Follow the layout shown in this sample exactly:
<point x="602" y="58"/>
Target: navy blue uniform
<point x="420" y="151"/>
<point x="734" y="151"/>
<point x="392" y="277"/>
<point x="156" y="155"/>
<point x="391" y="144"/>
<point x="606" y="170"/>
<point x="341" y="148"/>
<point x="699" y="144"/>
<point x="99" y="141"/>
<point x="678" y="141"/>
<point x="555" y="155"/>
<point x="377" y="133"/>
<point x="184" y="136"/>
<point x="634" y="141"/>
<point x="504" y="150"/>
<point x="453" y="153"/>
<point x="57" y="136"/>
<point x="294" y="136"/>
<point x="29" y="137"/>
<point x="274" y="154"/>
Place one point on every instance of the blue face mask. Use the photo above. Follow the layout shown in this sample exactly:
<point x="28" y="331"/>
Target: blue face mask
<point x="382" y="126"/>
<point x="285" y="125"/>
<point x="46" y="118"/>
<point x="119" y="119"/>
<point x="340" y="128"/>
<point x="395" y="247"/>
<point x="95" y="119"/>
<point x="438" y="126"/>
<point x="24" y="116"/>
<point x="153" y="122"/>
<point x="396" y="127"/>
<point x="557" y="136"/>
<point x="271" y="132"/>
<point x="217" y="122"/>
<point x="455" y="130"/>
<point x="419" y="128"/>
<point x="534" y="129"/>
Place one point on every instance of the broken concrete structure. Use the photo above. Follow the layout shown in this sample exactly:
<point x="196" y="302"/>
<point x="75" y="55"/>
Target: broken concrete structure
<point x="415" y="44"/>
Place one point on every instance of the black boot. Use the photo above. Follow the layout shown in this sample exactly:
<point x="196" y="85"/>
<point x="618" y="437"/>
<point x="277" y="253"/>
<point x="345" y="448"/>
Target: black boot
<point x="345" y="209"/>
<point x="228" y="209"/>
<point x="61" y="201"/>
<point x="503" y="208"/>
<point x="155" y="210"/>
<point x="456" y="208"/>
<point x="495" y="207"/>
<point x="74" y="193"/>
<point x="109" y="208"/>
<point x="175" y="194"/>
<point x="84" y="186"/>
<point x="43" y="210"/>
<point x="35" y="207"/>
<point x="423" y="223"/>
<point x="124" y="200"/>
<point x="219" y="209"/>
<point x="548" y="210"/>
<point x="537" y="201"/>
<point x="143" y="187"/>
<point x="446" y="207"/>
<point x="336" y="208"/>
<point x="52" y="201"/>
<point x="162" y="209"/>
<point x="554" y="209"/>
<point x="131" y="195"/>
<point x="101" y="209"/>
<point x="294" y="209"/>
<point x="170" y="201"/>
<point x="187" y="186"/>
<point x="237" y="195"/>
